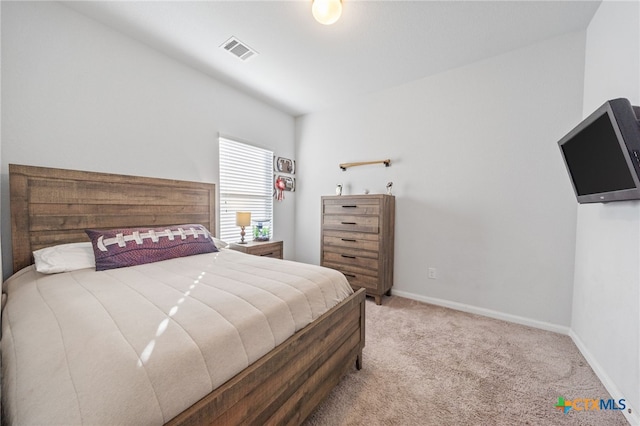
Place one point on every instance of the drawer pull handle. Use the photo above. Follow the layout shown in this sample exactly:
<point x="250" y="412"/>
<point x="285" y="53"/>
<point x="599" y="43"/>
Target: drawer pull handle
<point x="348" y="223"/>
<point x="347" y="256"/>
<point x="266" y="254"/>
<point x="349" y="240"/>
<point x="349" y="275"/>
<point x="350" y="207"/>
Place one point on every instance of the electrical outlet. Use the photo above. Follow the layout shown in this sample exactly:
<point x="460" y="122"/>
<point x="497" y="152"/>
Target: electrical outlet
<point x="432" y="273"/>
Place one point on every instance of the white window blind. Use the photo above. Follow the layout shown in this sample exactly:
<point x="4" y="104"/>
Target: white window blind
<point x="246" y="184"/>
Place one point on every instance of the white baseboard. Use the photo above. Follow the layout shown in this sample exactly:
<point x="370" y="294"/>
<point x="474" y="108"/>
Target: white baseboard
<point x="632" y="417"/>
<point x="485" y="312"/>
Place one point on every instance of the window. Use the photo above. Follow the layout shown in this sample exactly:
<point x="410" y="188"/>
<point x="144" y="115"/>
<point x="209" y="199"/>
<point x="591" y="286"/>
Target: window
<point x="246" y="184"/>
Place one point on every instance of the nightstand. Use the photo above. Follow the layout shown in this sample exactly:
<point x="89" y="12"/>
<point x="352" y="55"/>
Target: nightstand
<point x="260" y="248"/>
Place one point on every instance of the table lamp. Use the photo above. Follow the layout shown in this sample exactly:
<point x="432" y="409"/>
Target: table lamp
<point x="243" y="219"/>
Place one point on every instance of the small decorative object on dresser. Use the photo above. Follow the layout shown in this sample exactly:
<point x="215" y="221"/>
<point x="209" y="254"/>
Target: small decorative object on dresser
<point x="261" y="248"/>
<point x="357" y="239"/>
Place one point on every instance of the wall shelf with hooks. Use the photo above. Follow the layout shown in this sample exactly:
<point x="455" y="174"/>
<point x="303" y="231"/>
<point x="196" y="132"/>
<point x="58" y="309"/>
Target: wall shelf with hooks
<point x="345" y="166"/>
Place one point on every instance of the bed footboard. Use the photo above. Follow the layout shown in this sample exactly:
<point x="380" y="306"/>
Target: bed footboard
<point x="285" y="386"/>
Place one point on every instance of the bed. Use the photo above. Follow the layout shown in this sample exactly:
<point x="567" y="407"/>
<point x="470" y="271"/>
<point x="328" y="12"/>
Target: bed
<point x="50" y="207"/>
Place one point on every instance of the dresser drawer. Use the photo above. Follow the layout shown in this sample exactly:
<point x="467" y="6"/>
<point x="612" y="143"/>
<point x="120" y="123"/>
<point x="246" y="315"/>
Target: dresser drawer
<point x="277" y="253"/>
<point x="365" y="281"/>
<point x="349" y="253"/>
<point x="355" y="276"/>
<point x="351" y="223"/>
<point x="346" y="206"/>
<point x="359" y="240"/>
<point x="352" y="269"/>
<point x="260" y="248"/>
<point x="368" y="263"/>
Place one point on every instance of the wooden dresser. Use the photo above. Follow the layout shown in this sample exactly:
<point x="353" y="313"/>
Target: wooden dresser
<point x="357" y="239"/>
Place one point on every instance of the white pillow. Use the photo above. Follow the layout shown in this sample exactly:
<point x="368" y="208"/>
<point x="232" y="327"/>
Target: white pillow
<point x="64" y="258"/>
<point x="219" y="243"/>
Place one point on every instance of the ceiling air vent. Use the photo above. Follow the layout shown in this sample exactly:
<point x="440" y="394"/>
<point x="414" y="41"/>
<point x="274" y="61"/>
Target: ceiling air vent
<point x="238" y="49"/>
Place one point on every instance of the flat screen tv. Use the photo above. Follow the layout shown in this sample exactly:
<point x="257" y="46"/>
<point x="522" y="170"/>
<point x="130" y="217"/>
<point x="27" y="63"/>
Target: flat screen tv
<point x="602" y="154"/>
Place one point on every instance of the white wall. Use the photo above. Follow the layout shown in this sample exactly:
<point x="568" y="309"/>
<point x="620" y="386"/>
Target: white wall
<point x="78" y="95"/>
<point x="606" y="304"/>
<point x="481" y="191"/>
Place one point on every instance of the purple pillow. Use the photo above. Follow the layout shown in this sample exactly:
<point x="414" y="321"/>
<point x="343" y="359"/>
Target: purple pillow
<point x="116" y="248"/>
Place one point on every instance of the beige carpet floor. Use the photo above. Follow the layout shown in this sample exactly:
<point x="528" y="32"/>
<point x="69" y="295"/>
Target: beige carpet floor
<point x="428" y="365"/>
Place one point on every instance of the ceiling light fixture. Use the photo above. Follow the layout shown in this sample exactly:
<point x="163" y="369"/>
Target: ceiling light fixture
<point x="326" y="11"/>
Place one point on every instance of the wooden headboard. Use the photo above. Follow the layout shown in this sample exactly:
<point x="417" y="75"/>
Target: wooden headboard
<point x="55" y="206"/>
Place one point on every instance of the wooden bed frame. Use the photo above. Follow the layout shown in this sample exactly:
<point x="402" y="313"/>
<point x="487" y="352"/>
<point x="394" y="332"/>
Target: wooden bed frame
<point x="55" y="206"/>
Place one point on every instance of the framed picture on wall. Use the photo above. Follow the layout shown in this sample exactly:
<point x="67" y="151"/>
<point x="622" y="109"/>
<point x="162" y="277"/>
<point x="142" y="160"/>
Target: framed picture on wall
<point x="284" y="165"/>
<point x="289" y="182"/>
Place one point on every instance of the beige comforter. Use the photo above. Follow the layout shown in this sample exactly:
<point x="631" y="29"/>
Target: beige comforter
<point x="139" y="345"/>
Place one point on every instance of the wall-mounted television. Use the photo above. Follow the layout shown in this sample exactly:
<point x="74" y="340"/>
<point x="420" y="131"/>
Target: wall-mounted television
<point x="602" y="154"/>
